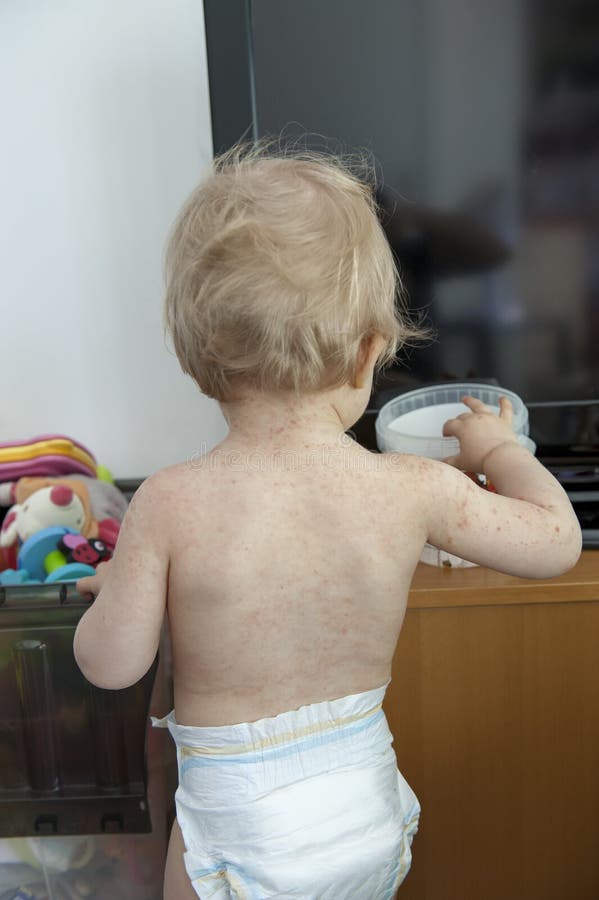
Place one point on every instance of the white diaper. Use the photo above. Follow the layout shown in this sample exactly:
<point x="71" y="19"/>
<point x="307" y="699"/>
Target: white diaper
<point x="307" y="804"/>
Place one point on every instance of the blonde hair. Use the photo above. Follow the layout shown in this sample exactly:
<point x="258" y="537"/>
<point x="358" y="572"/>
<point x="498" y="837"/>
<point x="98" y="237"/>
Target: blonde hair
<point x="277" y="268"/>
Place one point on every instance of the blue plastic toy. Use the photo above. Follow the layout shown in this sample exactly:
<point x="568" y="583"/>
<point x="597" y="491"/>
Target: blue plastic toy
<point x="41" y="561"/>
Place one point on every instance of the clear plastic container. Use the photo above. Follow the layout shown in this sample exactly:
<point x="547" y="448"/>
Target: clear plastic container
<point x="413" y="422"/>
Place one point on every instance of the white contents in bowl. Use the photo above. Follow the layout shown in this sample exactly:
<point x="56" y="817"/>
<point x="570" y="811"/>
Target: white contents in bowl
<point x="428" y="421"/>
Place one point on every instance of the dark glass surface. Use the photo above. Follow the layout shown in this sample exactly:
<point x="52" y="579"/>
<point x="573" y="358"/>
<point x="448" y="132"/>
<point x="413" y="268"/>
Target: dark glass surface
<point x="484" y="121"/>
<point x="72" y="756"/>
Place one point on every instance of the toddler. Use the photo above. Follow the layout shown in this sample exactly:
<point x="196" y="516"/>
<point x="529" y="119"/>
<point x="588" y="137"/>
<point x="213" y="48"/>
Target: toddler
<point x="283" y="557"/>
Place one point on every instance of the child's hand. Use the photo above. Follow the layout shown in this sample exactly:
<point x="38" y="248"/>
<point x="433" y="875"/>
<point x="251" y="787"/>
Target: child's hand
<point x="479" y="432"/>
<point x="90" y="586"/>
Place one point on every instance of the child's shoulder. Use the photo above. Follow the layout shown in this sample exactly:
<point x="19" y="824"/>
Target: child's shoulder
<point x="431" y="480"/>
<point x="161" y="480"/>
<point x="160" y="489"/>
<point x="417" y="467"/>
<point x="169" y="488"/>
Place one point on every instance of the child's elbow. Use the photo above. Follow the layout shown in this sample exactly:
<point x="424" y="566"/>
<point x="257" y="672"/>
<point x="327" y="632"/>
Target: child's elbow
<point x="104" y="673"/>
<point x="564" y="556"/>
<point x="96" y="670"/>
<point x="108" y="682"/>
<point x="573" y="547"/>
<point x="105" y="677"/>
<point x="88" y="666"/>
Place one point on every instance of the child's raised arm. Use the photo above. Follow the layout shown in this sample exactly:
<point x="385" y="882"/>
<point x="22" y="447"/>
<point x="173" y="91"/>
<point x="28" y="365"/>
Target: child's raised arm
<point x="117" y="638"/>
<point x="528" y="528"/>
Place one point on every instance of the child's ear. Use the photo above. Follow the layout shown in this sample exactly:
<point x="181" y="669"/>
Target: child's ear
<point x="371" y="347"/>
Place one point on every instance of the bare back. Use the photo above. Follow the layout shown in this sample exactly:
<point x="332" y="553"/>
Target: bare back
<point x="288" y="580"/>
<point x="285" y="580"/>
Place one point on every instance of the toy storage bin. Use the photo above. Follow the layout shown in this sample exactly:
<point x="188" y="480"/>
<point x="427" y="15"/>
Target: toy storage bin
<point x="74" y="791"/>
<point x="72" y="755"/>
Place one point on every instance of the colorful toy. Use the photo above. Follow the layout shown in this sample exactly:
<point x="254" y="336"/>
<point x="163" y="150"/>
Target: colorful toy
<point x="16" y="576"/>
<point x="58" y="505"/>
<point x="40" y="556"/>
<point x="57" y="528"/>
<point x="75" y="548"/>
<point x="482" y="481"/>
<point x="8" y="558"/>
<point x="65" y="502"/>
<point x="70" y="572"/>
<point x="42" y="559"/>
<point x="104" y="474"/>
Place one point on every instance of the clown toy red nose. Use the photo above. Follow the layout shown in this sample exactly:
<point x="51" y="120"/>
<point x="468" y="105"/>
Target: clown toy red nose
<point x="61" y="495"/>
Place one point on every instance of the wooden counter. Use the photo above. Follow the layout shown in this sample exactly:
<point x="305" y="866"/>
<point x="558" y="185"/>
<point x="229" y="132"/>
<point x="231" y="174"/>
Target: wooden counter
<point x="494" y="706"/>
<point x="442" y="586"/>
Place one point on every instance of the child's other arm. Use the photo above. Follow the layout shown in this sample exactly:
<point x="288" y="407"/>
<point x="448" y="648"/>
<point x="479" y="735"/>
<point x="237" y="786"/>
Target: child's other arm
<point x="117" y="638"/>
<point x="528" y="528"/>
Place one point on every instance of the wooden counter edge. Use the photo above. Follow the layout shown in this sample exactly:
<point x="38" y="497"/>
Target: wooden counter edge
<point x="440" y="586"/>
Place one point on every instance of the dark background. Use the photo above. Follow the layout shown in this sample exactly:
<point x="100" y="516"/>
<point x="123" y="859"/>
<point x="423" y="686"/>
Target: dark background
<point x="483" y="119"/>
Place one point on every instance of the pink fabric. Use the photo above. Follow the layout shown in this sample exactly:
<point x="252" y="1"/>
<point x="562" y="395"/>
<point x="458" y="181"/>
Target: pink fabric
<point x="44" y="465"/>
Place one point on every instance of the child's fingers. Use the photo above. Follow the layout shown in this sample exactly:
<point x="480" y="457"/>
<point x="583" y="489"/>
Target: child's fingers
<point x="506" y="410"/>
<point x="451" y="428"/>
<point x="475" y="404"/>
<point x="87" y="587"/>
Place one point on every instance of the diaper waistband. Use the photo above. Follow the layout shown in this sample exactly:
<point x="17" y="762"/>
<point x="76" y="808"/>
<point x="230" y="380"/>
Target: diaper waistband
<point x="312" y="725"/>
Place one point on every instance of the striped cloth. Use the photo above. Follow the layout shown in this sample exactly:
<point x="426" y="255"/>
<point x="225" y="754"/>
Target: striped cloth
<point x="47" y="454"/>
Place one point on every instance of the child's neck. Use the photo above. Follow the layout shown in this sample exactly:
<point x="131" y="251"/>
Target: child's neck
<point x="284" y="421"/>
